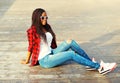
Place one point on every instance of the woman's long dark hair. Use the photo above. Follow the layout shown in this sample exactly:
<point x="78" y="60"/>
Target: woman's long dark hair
<point x="37" y="23"/>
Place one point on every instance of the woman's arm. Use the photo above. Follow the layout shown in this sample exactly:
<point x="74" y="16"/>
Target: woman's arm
<point x="30" y="41"/>
<point x="27" y="59"/>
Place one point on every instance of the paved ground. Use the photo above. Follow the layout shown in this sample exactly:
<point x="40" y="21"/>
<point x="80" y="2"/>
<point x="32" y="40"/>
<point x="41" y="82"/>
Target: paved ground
<point x="95" y="25"/>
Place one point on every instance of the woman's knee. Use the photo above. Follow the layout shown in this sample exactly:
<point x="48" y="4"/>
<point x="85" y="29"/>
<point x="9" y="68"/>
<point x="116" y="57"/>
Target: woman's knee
<point x="69" y="41"/>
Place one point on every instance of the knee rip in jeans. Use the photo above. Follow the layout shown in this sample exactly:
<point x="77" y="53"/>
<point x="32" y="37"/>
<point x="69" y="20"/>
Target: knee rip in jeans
<point x="69" y="41"/>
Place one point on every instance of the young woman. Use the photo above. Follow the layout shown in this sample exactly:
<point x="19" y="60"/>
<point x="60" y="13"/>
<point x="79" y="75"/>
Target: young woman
<point x="43" y="50"/>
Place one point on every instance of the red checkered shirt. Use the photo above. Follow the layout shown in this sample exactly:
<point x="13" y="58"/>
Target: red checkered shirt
<point x="34" y="44"/>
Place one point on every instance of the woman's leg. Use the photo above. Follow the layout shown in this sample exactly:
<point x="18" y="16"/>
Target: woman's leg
<point x="75" y="47"/>
<point x="59" y="58"/>
<point x="64" y="46"/>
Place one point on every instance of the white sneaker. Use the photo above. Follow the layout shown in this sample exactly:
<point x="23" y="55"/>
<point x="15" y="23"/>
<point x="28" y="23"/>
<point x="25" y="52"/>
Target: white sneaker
<point x="106" y="67"/>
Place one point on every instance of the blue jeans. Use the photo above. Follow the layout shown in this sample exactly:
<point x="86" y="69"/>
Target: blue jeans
<point x="62" y="54"/>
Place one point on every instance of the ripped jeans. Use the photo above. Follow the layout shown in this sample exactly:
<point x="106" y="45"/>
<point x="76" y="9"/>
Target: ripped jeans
<point x="65" y="52"/>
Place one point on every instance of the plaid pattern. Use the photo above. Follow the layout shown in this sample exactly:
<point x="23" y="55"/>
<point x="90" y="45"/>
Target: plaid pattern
<point x="34" y="44"/>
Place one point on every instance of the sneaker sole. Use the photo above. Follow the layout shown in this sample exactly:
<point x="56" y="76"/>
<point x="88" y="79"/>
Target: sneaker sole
<point x="90" y="69"/>
<point x="105" y="72"/>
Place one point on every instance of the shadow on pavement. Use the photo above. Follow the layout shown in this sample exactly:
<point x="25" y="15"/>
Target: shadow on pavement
<point x="4" y="6"/>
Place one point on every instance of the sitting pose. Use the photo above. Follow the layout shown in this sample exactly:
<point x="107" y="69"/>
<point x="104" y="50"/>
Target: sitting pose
<point x="43" y="50"/>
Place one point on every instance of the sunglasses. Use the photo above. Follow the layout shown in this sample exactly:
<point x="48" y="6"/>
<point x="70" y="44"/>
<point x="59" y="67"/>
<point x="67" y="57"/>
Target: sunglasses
<point x="44" y="17"/>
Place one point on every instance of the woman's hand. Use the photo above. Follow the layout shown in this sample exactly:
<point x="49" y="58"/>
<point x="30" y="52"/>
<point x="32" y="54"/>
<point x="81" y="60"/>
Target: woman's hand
<point x="24" y="62"/>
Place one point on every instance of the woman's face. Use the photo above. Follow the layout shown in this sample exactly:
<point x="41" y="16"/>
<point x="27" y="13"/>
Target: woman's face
<point x="44" y="18"/>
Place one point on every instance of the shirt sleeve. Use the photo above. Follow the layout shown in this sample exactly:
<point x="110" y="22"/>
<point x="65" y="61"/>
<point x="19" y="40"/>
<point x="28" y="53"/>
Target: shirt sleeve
<point x="30" y="39"/>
